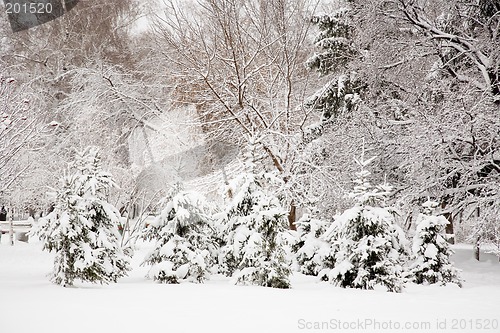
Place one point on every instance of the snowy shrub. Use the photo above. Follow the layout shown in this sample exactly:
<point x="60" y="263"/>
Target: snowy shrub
<point x="252" y="232"/>
<point x="431" y="252"/>
<point x="367" y="246"/>
<point x="185" y="247"/>
<point x="311" y="250"/>
<point x="83" y="228"/>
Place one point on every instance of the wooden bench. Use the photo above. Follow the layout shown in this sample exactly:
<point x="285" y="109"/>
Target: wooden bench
<point x="19" y="228"/>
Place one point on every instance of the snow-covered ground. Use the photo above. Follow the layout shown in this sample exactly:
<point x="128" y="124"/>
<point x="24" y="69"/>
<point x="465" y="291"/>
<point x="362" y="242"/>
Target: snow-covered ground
<point x="30" y="303"/>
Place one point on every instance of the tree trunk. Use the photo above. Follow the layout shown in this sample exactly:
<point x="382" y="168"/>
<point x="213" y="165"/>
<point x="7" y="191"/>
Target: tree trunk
<point x="292" y="214"/>
<point x="476" y="249"/>
<point x="495" y="84"/>
<point x="450" y="234"/>
<point x="449" y="227"/>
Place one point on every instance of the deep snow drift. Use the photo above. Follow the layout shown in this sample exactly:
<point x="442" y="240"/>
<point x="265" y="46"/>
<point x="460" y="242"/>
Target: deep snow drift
<point x="30" y="303"/>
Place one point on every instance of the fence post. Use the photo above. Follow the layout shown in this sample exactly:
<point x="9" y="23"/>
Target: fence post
<point x="11" y="229"/>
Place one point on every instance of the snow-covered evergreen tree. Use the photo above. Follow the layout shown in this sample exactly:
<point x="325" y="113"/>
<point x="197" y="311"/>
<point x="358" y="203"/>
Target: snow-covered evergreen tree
<point x="252" y="230"/>
<point x="334" y="41"/>
<point x="63" y="231"/>
<point x="83" y="228"/>
<point x="340" y="94"/>
<point x="311" y="250"/>
<point x="185" y="246"/>
<point x="367" y="246"/>
<point x="431" y="252"/>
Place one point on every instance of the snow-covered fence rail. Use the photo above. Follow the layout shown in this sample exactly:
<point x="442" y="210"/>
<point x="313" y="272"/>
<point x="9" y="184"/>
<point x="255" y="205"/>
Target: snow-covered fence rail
<point x="211" y="183"/>
<point x="18" y="228"/>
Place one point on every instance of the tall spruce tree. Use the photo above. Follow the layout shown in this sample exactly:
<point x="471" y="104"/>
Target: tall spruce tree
<point x="83" y="227"/>
<point x="340" y="94"/>
<point x="252" y="229"/>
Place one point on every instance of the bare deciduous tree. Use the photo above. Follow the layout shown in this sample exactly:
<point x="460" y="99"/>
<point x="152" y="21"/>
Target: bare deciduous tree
<point x="461" y="32"/>
<point x="242" y="64"/>
<point x="21" y="126"/>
